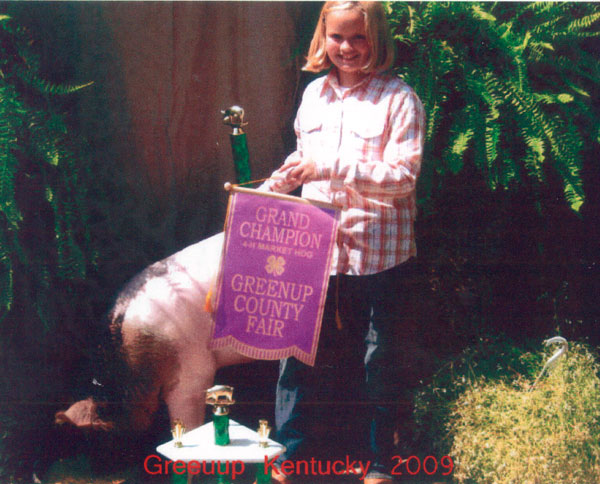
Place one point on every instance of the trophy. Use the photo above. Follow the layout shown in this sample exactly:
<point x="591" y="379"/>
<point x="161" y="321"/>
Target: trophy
<point x="263" y="474"/>
<point x="263" y="433"/>
<point x="220" y="397"/>
<point x="177" y="431"/>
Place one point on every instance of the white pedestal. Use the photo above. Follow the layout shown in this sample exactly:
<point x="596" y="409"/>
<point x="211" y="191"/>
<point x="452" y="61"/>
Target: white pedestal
<point x="199" y="445"/>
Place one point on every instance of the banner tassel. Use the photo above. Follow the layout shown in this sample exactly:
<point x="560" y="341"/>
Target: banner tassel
<point x="208" y="302"/>
<point x="338" y="319"/>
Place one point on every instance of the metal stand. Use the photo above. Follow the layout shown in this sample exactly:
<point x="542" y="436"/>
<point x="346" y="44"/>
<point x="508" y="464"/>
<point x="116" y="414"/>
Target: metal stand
<point x="234" y="117"/>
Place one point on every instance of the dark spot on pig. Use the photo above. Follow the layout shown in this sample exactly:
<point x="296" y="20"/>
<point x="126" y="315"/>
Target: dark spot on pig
<point x="133" y="377"/>
<point x="156" y="270"/>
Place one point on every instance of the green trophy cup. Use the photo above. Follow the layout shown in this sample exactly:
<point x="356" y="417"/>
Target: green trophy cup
<point x="234" y="117"/>
<point x="220" y="397"/>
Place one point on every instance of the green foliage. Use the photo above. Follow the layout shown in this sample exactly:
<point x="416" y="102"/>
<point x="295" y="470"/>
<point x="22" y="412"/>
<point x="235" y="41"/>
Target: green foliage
<point x="43" y="235"/>
<point x="505" y="86"/>
<point x="506" y="432"/>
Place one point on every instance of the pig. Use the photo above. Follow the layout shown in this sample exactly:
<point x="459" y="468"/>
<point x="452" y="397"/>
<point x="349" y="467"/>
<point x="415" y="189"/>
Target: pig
<point x="161" y="328"/>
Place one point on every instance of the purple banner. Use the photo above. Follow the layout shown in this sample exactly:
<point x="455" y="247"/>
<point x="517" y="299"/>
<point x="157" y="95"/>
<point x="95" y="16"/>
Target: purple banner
<point x="274" y="276"/>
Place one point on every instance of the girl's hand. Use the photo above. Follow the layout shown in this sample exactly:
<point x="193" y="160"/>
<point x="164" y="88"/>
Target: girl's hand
<point x="293" y="173"/>
<point x="301" y="171"/>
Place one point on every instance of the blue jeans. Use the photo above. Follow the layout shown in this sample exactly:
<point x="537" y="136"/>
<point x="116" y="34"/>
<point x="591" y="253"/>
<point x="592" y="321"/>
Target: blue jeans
<point x="371" y="313"/>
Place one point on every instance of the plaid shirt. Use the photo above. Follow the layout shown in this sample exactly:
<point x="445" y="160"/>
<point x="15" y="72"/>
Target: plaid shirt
<point x="366" y="142"/>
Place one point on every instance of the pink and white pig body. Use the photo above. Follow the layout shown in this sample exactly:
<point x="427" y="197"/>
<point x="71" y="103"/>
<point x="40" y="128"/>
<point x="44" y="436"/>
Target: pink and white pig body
<point x="161" y="328"/>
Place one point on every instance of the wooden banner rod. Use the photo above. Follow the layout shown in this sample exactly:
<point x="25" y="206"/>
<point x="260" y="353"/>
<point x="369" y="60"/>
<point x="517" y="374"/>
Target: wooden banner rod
<point x="290" y="198"/>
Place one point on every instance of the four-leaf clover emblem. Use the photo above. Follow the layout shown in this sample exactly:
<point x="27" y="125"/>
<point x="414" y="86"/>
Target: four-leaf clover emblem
<point x="275" y="265"/>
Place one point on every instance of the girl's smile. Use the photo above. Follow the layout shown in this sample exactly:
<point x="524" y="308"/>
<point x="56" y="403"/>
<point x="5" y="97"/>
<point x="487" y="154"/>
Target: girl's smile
<point x="347" y="45"/>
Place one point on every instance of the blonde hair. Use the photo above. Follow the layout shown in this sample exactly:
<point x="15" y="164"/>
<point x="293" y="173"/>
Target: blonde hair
<point x="378" y="36"/>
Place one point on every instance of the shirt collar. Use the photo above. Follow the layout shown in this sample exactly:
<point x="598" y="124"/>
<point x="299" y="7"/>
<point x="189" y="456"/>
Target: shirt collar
<point x="332" y="82"/>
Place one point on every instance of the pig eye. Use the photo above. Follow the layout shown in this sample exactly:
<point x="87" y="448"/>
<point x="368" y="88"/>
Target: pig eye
<point x="102" y="410"/>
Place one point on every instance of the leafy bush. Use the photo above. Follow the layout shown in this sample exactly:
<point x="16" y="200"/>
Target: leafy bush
<point x="43" y="235"/>
<point x="508" y="432"/>
<point x="491" y="359"/>
<point x="46" y="251"/>
<point x="506" y="86"/>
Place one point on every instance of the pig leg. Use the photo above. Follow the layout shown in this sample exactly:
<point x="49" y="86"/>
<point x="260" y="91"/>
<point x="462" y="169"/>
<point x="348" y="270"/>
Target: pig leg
<point x="186" y="398"/>
<point x="144" y="409"/>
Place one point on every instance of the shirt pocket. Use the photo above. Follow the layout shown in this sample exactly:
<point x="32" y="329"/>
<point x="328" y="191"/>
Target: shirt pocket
<point x="311" y="136"/>
<point x="366" y="130"/>
<point x="311" y="124"/>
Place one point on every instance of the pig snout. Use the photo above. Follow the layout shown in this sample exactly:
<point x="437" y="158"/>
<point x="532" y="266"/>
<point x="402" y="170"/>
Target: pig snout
<point x="84" y="415"/>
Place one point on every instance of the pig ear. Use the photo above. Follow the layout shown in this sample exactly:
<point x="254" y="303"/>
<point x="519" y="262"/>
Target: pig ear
<point x="83" y="414"/>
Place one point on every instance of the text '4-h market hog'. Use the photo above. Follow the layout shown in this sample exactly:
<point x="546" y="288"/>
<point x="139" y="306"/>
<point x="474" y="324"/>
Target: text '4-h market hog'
<point x="161" y="328"/>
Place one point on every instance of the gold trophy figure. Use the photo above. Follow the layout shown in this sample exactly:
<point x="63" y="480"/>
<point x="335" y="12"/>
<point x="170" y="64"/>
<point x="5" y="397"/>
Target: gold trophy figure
<point x="177" y="431"/>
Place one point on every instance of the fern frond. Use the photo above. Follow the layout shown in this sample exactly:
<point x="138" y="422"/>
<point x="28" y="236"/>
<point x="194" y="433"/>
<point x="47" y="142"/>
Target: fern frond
<point x="509" y="171"/>
<point x="558" y="30"/>
<point x="544" y="98"/>
<point x="570" y="36"/>
<point x="10" y="123"/>
<point x="548" y="22"/>
<point x="457" y="150"/>
<point x="583" y="23"/>
<point x="46" y="87"/>
<point x="482" y="160"/>
<point x="540" y="7"/>
<point x="568" y="163"/>
<point x="481" y="14"/>
<point x="6" y="276"/>
<point x="8" y="169"/>
<point x="535" y="156"/>
<point x="574" y="88"/>
<point x="71" y="261"/>
<point x="492" y="136"/>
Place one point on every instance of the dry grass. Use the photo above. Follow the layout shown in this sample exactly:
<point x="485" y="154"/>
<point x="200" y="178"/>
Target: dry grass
<point x="503" y="433"/>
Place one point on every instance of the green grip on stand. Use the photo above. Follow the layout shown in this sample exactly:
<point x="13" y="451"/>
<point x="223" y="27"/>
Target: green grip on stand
<point x="221" y="424"/>
<point x="263" y="474"/>
<point x="223" y="477"/>
<point x="179" y="478"/>
<point x="241" y="158"/>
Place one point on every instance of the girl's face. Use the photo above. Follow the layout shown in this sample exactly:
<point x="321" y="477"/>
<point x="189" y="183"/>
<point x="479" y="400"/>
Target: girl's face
<point x="346" y="44"/>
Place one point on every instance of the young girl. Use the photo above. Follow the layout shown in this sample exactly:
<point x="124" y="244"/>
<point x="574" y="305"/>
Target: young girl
<point x="360" y="139"/>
